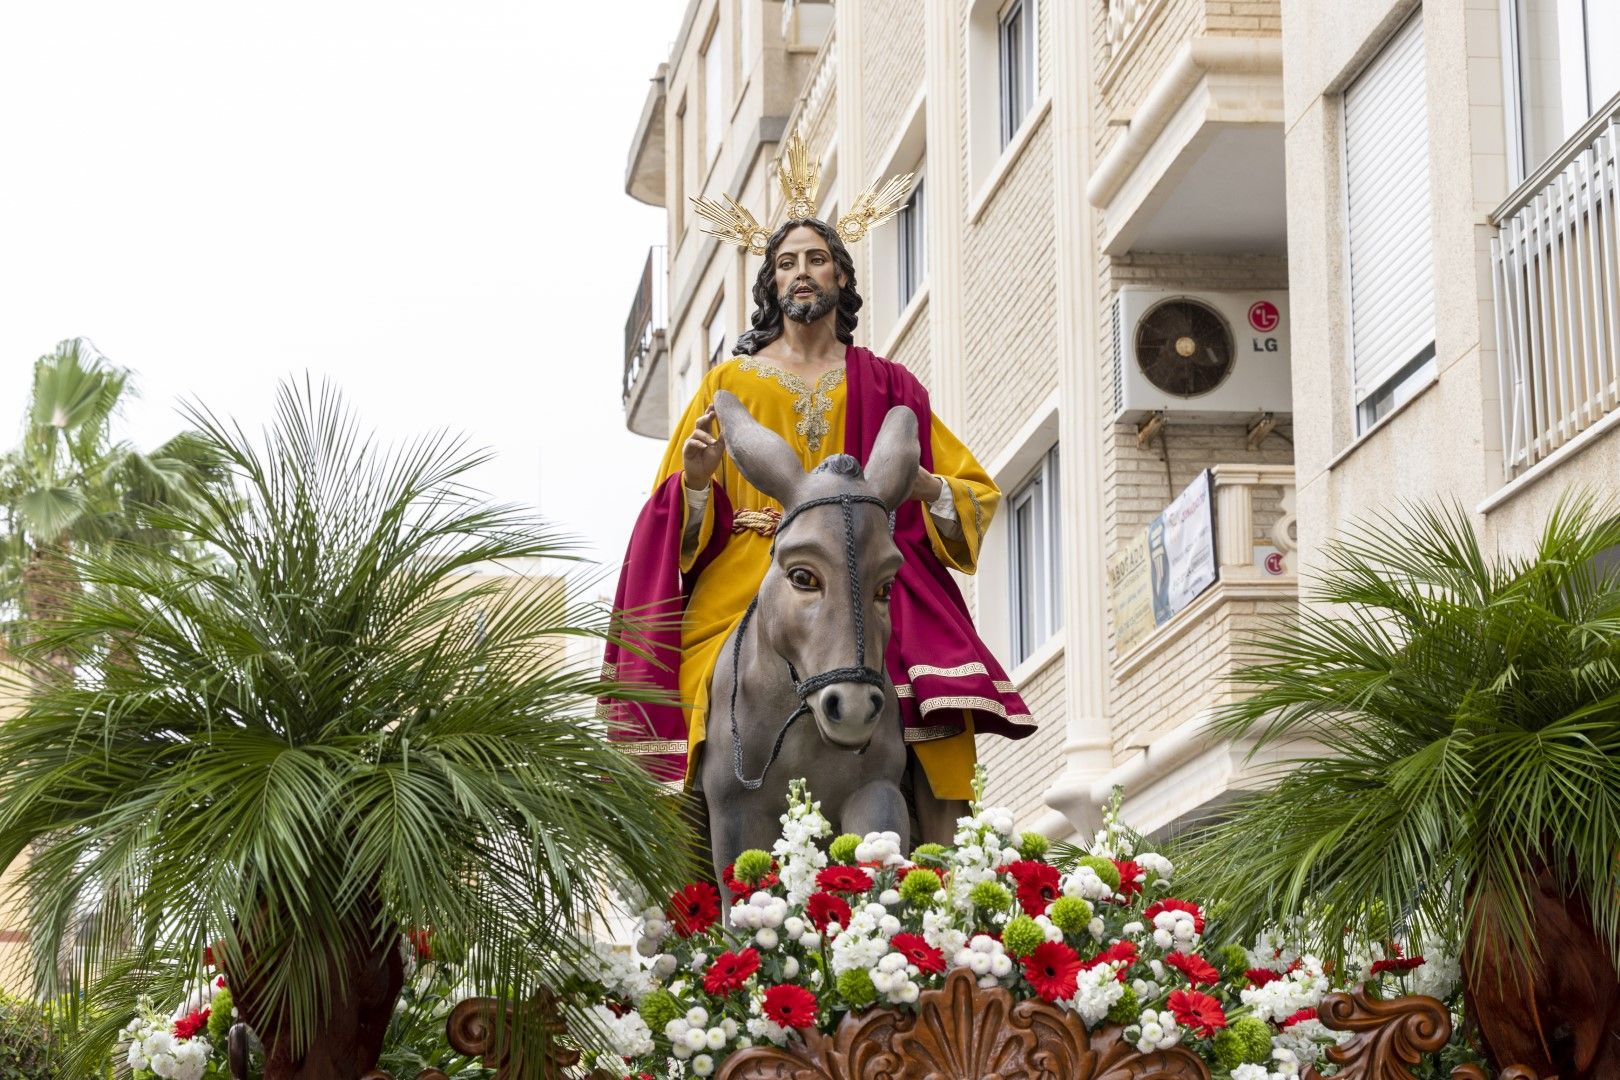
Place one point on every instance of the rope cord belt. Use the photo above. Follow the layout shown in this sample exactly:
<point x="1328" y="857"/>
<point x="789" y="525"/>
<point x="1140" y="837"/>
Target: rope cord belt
<point x="860" y="673"/>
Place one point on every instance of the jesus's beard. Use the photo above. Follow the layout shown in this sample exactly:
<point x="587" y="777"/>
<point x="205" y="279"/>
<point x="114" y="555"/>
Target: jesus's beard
<point x="808" y="311"/>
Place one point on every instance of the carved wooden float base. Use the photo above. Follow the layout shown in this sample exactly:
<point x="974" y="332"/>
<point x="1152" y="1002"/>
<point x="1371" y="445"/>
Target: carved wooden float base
<point x="1389" y="1037"/>
<point x="962" y="1032"/>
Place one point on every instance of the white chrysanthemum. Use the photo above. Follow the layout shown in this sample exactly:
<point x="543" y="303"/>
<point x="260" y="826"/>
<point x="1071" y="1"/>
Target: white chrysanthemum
<point x="1157" y="1031"/>
<point x="1156" y="865"/>
<point x="880" y="847"/>
<point x="1251" y="1071"/>
<point x="1084" y="883"/>
<point x="999" y="818"/>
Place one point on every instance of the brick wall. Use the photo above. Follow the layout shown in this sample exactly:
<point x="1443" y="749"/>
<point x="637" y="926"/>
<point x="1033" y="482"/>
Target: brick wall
<point x="892" y="65"/>
<point x="1243" y="18"/>
<point x="1019" y="771"/>
<point x="911" y="349"/>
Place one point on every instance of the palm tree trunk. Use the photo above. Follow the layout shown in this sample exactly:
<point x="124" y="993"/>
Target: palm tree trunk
<point x="1555" y="1010"/>
<point x="349" y="1041"/>
<point x="48" y="586"/>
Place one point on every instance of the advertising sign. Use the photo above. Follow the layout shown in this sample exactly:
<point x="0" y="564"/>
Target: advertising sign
<point x="1165" y="567"/>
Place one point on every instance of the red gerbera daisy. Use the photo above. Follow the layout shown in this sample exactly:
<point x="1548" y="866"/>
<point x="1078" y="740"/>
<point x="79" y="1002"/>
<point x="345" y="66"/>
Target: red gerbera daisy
<point x="421" y="939"/>
<point x="1037" y="885"/>
<point x="791" y="1006"/>
<point x="190" y="1024"/>
<point x="1170" y="903"/>
<point x="844" y="879"/>
<point x="1052" y="970"/>
<point x="1294" y="1018"/>
<point x="729" y="971"/>
<point x="1120" y="952"/>
<point x="917" y="951"/>
<point x="1199" y="972"/>
<point x="1401" y="964"/>
<point x="1259" y="977"/>
<point x="824" y="908"/>
<point x="1130" y="876"/>
<point x="739" y="891"/>
<point x="1200" y="1012"/>
<point x="694" y="909"/>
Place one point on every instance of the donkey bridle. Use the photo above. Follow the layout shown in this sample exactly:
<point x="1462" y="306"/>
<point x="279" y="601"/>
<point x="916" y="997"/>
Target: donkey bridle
<point x="860" y="673"/>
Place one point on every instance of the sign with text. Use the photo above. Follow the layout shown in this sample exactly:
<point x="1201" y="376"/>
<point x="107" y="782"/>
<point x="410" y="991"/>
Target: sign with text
<point x="1164" y="568"/>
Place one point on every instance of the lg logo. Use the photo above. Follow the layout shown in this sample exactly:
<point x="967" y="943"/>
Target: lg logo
<point x="1263" y="316"/>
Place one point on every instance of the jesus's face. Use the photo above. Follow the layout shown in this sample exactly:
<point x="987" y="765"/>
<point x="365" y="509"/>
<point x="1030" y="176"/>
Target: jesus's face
<point x="807" y="280"/>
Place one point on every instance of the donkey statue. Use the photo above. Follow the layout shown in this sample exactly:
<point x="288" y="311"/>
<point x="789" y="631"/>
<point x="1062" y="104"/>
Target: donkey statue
<point x="811" y="645"/>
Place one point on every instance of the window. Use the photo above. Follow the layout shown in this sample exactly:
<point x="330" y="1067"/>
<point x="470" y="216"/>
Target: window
<point x="713" y="111"/>
<point x="1388" y="232"/>
<point x="715" y="338"/>
<point x="678" y="144"/>
<point x="1016" y="39"/>
<point x="1034" y="558"/>
<point x="1560" y="71"/>
<point x="747" y="52"/>
<point x="912" y="261"/>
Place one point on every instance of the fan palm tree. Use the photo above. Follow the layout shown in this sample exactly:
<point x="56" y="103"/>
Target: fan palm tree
<point x="70" y="483"/>
<point x="330" y="734"/>
<point x="1473" y="708"/>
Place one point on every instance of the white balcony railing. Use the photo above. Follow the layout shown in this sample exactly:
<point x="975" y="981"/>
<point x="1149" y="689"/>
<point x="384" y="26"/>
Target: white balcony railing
<point x="1556" y="278"/>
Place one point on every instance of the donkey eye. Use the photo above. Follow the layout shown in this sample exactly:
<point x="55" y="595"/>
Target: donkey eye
<point x="800" y="578"/>
<point x="884" y="590"/>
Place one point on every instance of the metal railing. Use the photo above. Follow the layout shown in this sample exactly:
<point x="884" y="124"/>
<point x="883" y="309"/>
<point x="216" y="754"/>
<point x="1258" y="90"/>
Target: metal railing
<point x="644" y="328"/>
<point x="1556" y="280"/>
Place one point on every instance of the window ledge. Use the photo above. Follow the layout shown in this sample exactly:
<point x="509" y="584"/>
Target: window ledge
<point x="914" y="306"/>
<point x="1383" y="422"/>
<point x="1549" y="464"/>
<point x="1009" y="157"/>
<point x="1048" y="653"/>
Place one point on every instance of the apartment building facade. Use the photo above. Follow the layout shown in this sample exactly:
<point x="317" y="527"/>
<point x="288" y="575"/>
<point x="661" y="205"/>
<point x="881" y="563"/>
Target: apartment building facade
<point x="1114" y="280"/>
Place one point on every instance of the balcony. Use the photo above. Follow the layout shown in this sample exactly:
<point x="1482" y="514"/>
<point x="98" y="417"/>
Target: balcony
<point x="1168" y="767"/>
<point x="1556" y="279"/>
<point x="644" y="173"/>
<point x="1199" y="168"/>
<point x="814" y="115"/>
<point x="646" y="350"/>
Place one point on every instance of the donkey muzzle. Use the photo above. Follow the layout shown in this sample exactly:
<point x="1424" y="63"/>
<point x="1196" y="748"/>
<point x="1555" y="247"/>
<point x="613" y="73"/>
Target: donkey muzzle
<point x="847" y="713"/>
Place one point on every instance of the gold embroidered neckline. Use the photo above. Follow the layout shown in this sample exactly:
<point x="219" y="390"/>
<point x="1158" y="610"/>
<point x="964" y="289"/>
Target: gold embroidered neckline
<point x="812" y="403"/>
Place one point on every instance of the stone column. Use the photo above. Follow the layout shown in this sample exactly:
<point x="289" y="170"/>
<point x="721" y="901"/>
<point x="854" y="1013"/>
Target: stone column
<point x="1088" y="747"/>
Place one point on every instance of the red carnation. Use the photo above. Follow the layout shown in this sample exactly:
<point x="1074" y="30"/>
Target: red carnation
<point x="791" y="1006"/>
<point x="1037" y="885"/>
<point x="729" y="971"/>
<point x="1294" y="1018"/>
<point x="1200" y="1012"/>
<point x="740" y="891"/>
<point x="694" y="909"/>
<point x="1170" y="903"/>
<point x="1120" y="952"/>
<point x="1053" y="970"/>
<point x="190" y="1024"/>
<point x="1199" y="972"/>
<point x="844" y="879"/>
<point x="917" y="951"/>
<point x="1259" y="977"/>
<point x="824" y="908"/>
<point x="1401" y="964"/>
<point x="1130" y="876"/>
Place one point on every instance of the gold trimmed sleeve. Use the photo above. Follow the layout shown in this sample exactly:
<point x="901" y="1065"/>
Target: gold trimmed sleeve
<point x="973" y="493"/>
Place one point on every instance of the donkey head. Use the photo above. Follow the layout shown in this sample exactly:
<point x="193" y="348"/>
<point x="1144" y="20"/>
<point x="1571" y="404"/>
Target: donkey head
<point x="824" y="603"/>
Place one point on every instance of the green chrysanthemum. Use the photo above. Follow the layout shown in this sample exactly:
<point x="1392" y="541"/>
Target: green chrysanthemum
<point x="752" y="866"/>
<point x="842" y="850"/>
<point x="1256" y="1036"/>
<point x="1022" y="936"/>
<point x="1105" y="869"/>
<point x="1232" y="960"/>
<point x="1126" y="1010"/>
<point x="1032" y="845"/>
<point x="658" y="1008"/>
<point x="920" y="886"/>
<point x="990" y="896"/>
<point x="855" y="987"/>
<point x="219" y="1018"/>
<point x="1070" y="914"/>
<point x="928" y="853"/>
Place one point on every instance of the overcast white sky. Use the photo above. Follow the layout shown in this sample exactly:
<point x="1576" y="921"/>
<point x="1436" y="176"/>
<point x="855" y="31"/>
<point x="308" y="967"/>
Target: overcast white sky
<point x="420" y="199"/>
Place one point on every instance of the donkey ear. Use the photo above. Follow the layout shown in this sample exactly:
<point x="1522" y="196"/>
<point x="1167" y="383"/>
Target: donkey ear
<point x="892" y="467"/>
<point x="764" y="458"/>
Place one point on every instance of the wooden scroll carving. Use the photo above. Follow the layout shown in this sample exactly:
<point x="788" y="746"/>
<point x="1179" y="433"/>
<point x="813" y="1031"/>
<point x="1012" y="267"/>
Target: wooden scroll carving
<point x="962" y="1032"/>
<point x="1389" y="1037"/>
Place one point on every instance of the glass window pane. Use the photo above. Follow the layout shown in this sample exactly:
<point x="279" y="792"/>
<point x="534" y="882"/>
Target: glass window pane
<point x="1553" y="85"/>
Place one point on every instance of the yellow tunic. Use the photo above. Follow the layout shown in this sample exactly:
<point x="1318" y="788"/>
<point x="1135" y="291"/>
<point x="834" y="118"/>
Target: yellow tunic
<point x="811" y="419"/>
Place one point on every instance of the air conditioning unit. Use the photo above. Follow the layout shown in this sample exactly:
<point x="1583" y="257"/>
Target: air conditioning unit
<point x="1200" y="357"/>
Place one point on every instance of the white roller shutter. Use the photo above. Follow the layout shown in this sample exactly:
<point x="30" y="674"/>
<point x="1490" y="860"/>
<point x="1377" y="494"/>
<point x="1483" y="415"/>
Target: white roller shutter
<point x="1391" y="243"/>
